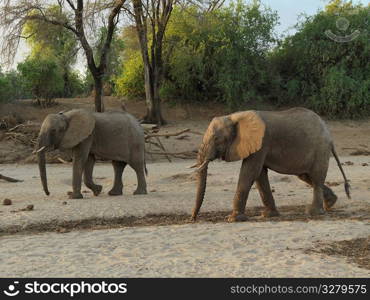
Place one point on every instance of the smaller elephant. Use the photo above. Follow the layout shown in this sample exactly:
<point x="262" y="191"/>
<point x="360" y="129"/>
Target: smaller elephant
<point x="116" y="136"/>
<point x="294" y="141"/>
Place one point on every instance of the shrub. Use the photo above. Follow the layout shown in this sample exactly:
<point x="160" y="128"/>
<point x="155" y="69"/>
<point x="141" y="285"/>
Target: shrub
<point x="131" y="81"/>
<point x="12" y="87"/>
<point x="328" y="76"/>
<point x="221" y="55"/>
<point x="218" y="55"/>
<point x="43" y="78"/>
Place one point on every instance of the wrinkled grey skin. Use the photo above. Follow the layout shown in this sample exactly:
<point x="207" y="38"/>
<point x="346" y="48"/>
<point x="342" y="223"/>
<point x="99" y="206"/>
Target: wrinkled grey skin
<point x="296" y="142"/>
<point x="116" y="136"/>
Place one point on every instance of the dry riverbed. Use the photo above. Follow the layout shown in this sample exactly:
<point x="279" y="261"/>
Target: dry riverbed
<point x="150" y="235"/>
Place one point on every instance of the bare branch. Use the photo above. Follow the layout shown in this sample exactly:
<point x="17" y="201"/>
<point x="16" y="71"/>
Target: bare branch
<point x="71" y="4"/>
<point x="110" y="30"/>
<point x="79" y="16"/>
<point x="9" y="179"/>
<point x="43" y="18"/>
<point x="167" y="134"/>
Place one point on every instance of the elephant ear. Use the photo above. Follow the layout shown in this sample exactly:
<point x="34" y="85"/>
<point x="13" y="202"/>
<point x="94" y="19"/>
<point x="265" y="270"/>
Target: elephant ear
<point x="81" y="124"/>
<point x="250" y="130"/>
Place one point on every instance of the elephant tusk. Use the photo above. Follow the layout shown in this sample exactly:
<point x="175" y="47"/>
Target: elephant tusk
<point x="37" y="151"/>
<point x="203" y="165"/>
<point x="193" y="166"/>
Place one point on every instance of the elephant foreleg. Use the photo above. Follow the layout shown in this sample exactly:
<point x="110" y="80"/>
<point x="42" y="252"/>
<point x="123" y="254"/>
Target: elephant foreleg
<point x="264" y="189"/>
<point x="118" y="167"/>
<point x="88" y="179"/>
<point x="80" y="154"/>
<point x="249" y="172"/>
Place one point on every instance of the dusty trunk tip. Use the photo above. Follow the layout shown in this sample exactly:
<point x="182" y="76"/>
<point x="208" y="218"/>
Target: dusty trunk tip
<point x="202" y="181"/>
<point x="42" y="169"/>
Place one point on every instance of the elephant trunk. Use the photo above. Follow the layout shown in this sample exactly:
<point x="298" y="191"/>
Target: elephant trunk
<point x="201" y="189"/>
<point x="42" y="168"/>
<point x="42" y="163"/>
<point x="203" y="160"/>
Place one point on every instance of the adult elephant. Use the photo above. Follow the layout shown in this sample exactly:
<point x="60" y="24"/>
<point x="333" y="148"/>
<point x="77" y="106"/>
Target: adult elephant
<point x="115" y="136"/>
<point x="294" y="141"/>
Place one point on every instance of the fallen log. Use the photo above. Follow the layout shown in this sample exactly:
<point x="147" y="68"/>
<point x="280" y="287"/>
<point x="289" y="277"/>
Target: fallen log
<point x="62" y="160"/>
<point x="182" y="137"/>
<point x="15" y="127"/>
<point x="148" y="136"/>
<point x="185" y="153"/>
<point x="147" y="127"/>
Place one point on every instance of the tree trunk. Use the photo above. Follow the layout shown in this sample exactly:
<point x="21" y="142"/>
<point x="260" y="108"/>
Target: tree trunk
<point x="153" y="62"/>
<point x="153" y="101"/>
<point x="67" y="85"/>
<point x="98" y="94"/>
<point x="154" y="112"/>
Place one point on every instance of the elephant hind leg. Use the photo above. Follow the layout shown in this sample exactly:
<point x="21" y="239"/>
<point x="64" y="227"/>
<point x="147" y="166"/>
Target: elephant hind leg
<point x="317" y="176"/>
<point x="329" y="196"/>
<point x="264" y="189"/>
<point x="88" y="171"/>
<point x="118" y="167"/>
<point x="316" y="208"/>
<point x="141" y="181"/>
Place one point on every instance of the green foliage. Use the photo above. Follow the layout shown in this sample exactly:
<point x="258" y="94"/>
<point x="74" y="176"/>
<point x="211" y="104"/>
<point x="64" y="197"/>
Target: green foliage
<point x="76" y="85"/>
<point x="131" y="81"/>
<point x="115" y="53"/>
<point x="227" y="55"/>
<point x="42" y="77"/>
<point x="244" y="37"/>
<point x="11" y="86"/>
<point x="218" y="55"/>
<point x="6" y="92"/>
<point x="331" y="77"/>
<point x="57" y="44"/>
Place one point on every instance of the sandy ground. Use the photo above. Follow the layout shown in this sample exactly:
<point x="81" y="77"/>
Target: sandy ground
<point x="272" y="248"/>
<point x="212" y="250"/>
<point x="150" y="235"/>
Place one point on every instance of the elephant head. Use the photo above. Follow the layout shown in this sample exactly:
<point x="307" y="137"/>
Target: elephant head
<point x="230" y="138"/>
<point x="62" y="131"/>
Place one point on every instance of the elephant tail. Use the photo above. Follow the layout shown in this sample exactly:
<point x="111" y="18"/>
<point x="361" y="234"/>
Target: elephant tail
<point x="346" y="181"/>
<point x="145" y="169"/>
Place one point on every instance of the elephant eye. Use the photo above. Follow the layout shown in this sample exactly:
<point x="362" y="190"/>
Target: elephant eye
<point x="219" y="138"/>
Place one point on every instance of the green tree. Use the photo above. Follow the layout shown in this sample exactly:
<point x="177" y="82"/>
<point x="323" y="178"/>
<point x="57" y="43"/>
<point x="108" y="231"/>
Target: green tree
<point x="12" y="86"/>
<point x="5" y="88"/>
<point x="55" y="42"/>
<point x="151" y="20"/>
<point x="43" y="78"/>
<point x="79" y="17"/>
<point x="214" y="55"/>
<point x="114" y="58"/>
<point x="223" y="53"/>
<point x="326" y="64"/>
<point x="130" y="82"/>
